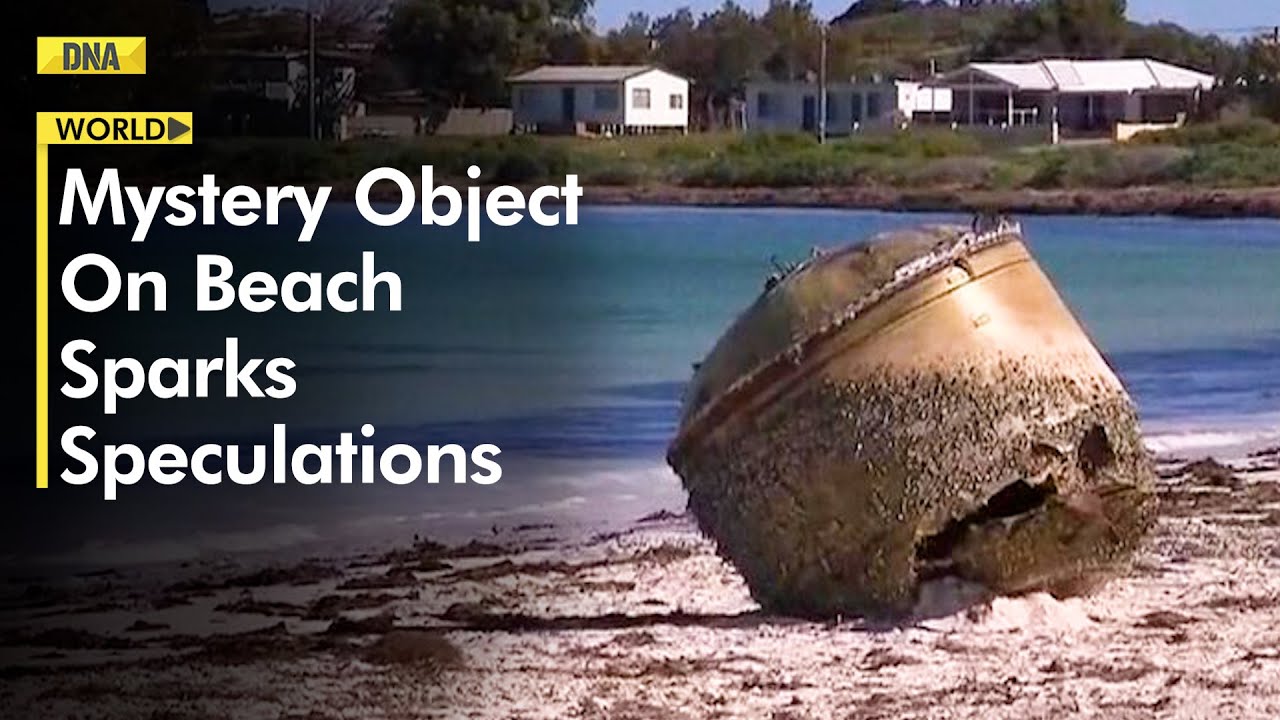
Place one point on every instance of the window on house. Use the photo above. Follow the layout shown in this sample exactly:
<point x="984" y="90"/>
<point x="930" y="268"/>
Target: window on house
<point x="764" y="106"/>
<point x="832" y="112"/>
<point x="640" y="98"/>
<point x="676" y="101"/>
<point x="606" y="99"/>
<point x="855" y="108"/>
<point x="873" y="105"/>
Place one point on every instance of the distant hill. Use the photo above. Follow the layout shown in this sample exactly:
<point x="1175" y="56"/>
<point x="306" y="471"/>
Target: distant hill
<point x="906" y="37"/>
<point x="871" y="8"/>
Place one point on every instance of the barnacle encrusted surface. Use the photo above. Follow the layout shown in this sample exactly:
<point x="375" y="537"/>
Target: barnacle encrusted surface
<point x="1015" y="465"/>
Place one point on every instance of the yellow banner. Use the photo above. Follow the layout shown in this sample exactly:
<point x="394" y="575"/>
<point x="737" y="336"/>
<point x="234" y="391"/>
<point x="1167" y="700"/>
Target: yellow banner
<point x="126" y="128"/>
<point x="91" y="55"/>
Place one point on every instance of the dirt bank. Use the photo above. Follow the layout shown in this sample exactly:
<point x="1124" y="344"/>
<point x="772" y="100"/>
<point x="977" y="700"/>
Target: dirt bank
<point x="1158" y="200"/>
<point x="1180" y="201"/>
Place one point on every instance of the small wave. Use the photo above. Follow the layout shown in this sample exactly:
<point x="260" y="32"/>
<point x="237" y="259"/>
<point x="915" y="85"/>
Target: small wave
<point x="1171" y="442"/>
<point x="550" y="507"/>
<point x="598" y="493"/>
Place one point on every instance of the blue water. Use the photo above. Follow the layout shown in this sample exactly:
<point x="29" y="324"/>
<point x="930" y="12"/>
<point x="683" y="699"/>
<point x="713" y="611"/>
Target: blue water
<point x="568" y="348"/>
<point x="610" y="315"/>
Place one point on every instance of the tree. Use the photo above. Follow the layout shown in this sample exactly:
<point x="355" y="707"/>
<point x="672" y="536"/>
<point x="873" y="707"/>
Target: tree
<point x="571" y="11"/>
<point x="796" y="38"/>
<point x="344" y="23"/>
<point x="630" y="44"/>
<point x="338" y="24"/>
<point x="677" y="46"/>
<point x="1073" y="28"/>
<point x="460" y="52"/>
<point x="1260" y="77"/>
<point x="871" y="8"/>
<point x="1173" y="44"/>
<point x="572" y="45"/>
<point x="737" y="47"/>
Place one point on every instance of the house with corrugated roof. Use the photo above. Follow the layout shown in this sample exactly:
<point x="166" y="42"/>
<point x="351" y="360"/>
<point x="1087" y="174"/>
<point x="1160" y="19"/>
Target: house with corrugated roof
<point x="1116" y="98"/>
<point x="604" y="99"/>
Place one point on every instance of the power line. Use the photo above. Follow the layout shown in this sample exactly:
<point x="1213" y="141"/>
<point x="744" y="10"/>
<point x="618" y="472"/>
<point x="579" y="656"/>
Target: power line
<point x="1252" y="30"/>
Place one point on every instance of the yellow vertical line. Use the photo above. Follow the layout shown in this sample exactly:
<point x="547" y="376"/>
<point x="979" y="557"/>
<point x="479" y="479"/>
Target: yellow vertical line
<point x="42" y="316"/>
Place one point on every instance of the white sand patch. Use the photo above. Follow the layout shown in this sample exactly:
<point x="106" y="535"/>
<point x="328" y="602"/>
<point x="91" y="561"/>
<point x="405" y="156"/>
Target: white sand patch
<point x="1037" y="614"/>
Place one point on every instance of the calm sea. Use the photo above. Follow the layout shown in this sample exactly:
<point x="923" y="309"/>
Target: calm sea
<point x="568" y="348"/>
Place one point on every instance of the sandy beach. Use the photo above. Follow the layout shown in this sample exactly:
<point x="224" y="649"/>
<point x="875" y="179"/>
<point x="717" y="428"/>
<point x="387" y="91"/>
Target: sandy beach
<point x="648" y="622"/>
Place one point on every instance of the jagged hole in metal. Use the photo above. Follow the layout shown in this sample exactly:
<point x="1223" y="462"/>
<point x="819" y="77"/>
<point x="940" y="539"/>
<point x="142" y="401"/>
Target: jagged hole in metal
<point x="1018" y="498"/>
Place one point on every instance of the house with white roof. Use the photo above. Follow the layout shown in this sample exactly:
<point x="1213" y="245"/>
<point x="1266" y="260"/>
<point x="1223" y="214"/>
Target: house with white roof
<point x="616" y="99"/>
<point x="1076" y="97"/>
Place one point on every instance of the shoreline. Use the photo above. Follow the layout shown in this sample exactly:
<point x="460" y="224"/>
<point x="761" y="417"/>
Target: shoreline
<point x="1171" y="444"/>
<point x="1204" y="203"/>
<point x="1261" y="202"/>
<point x="1184" y="202"/>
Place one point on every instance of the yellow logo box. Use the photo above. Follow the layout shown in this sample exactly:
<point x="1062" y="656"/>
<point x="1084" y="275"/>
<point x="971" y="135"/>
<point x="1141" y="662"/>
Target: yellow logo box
<point x="124" y="128"/>
<point x="91" y="55"/>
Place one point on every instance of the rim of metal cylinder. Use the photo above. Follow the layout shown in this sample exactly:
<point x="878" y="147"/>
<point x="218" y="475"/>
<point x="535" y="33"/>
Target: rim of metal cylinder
<point x="905" y="276"/>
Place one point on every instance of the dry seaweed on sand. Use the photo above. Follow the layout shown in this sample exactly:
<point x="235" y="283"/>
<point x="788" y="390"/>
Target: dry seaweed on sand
<point x="331" y="606"/>
<point x="1196" y="631"/>
<point x="418" y="649"/>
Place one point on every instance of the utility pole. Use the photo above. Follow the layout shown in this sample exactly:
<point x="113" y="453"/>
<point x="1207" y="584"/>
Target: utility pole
<point x="311" y="72"/>
<point x="822" y="85"/>
<point x="933" y="90"/>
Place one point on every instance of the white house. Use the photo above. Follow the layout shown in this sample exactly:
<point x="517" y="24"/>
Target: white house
<point x="774" y="106"/>
<point x="1082" y="97"/>
<point x="600" y="98"/>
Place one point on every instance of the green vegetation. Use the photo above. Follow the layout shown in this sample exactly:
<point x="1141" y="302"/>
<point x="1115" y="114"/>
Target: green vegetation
<point x="1243" y="154"/>
<point x="1254" y="133"/>
<point x="459" y="52"/>
<point x="721" y="50"/>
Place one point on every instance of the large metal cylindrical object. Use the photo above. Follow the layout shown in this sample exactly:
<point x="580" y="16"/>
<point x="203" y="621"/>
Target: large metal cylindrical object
<point x="920" y="406"/>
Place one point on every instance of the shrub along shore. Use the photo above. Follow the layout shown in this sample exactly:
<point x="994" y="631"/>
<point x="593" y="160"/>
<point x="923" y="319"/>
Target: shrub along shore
<point x="1216" y="170"/>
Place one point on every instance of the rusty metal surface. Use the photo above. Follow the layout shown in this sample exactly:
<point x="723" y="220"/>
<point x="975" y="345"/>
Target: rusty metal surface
<point x="920" y="406"/>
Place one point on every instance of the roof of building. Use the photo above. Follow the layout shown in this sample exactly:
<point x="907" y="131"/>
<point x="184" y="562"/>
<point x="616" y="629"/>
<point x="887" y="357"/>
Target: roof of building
<point x="1085" y="76"/>
<point x="582" y="73"/>
<point x="476" y="121"/>
<point x="806" y="84"/>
